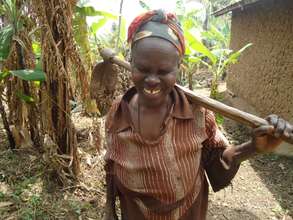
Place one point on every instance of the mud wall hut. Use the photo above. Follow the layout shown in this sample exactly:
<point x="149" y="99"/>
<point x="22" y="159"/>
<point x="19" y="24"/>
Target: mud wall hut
<point x="264" y="75"/>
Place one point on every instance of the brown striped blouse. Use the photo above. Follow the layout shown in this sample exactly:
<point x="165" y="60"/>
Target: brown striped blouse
<point x="165" y="179"/>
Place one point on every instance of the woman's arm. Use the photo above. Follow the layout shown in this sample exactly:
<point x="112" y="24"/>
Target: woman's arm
<point x="110" y="209"/>
<point x="265" y="139"/>
<point x="221" y="162"/>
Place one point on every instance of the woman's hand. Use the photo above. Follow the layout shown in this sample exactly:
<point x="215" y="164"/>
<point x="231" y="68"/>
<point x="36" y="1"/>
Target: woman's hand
<point x="266" y="138"/>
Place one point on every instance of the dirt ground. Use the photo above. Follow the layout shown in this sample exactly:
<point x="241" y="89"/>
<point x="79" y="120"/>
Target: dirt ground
<point x="262" y="189"/>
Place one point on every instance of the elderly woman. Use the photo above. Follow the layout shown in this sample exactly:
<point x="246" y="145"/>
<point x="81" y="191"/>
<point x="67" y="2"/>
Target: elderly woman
<point x="161" y="149"/>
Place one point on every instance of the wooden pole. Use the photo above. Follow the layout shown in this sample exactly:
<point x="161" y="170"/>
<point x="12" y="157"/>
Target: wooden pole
<point x="211" y="104"/>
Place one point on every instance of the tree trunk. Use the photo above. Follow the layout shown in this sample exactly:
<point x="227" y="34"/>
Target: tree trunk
<point x="55" y="17"/>
<point x="32" y="108"/>
<point x="190" y="83"/>
<point x="6" y="124"/>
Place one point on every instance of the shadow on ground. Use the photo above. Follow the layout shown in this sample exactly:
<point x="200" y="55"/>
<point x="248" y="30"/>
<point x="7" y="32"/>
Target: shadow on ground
<point x="229" y="213"/>
<point x="275" y="171"/>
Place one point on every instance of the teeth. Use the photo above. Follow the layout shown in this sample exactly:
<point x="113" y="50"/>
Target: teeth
<point x="152" y="91"/>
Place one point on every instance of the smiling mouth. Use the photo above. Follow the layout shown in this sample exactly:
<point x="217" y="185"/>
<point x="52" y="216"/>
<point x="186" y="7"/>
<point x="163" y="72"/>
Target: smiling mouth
<point x="152" y="92"/>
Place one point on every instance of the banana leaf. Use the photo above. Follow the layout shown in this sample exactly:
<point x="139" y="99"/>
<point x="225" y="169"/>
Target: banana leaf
<point x="29" y="75"/>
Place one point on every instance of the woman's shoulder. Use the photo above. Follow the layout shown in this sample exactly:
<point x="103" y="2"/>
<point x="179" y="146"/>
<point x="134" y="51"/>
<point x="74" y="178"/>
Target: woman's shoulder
<point x="113" y="109"/>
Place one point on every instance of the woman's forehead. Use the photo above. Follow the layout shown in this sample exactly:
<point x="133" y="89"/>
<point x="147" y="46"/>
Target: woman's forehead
<point x="154" y="46"/>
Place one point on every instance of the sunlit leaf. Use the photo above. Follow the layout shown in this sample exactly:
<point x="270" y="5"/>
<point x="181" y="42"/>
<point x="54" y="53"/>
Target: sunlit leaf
<point x="216" y="38"/>
<point x="29" y="75"/>
<point x="123" y="29"/>
<point x="36" y="48"/>
<point x="144" y="5"/>
<point x="200" y="47"/>
<point x="25" y="98"/>
<point x="221" y="52"/>
<point x="233" y="58"/>
<point x="4" y="74"/>
<point x="91" y="11"/>
<point x="37" y="83"/>
<point x="97" y="25"/>
<point x="219" y="119"/>
<point x="194" y="59"/>
<point x="120" y="55"/>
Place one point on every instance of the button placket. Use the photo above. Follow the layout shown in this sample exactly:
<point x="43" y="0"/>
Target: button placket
<point x="173" y="168"/>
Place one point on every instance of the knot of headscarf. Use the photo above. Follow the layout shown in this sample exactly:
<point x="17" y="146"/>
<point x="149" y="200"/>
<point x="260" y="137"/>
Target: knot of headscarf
<point x="157" y="23"/>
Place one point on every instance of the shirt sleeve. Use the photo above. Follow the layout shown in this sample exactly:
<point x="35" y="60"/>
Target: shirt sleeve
<point x="109" y="145"/>
<point x="219" y="174"/>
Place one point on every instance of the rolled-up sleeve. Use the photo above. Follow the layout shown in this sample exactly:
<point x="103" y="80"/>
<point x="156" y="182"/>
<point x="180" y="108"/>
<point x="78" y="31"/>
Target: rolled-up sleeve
<point x="218" y="172"/>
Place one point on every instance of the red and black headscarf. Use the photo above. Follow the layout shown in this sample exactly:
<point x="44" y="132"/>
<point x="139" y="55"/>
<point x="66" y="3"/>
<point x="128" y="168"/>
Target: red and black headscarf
<point x="159" y="24"/>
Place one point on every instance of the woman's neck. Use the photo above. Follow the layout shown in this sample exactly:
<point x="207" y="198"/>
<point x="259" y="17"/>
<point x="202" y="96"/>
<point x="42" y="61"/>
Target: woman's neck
<point x="150" y="107"/>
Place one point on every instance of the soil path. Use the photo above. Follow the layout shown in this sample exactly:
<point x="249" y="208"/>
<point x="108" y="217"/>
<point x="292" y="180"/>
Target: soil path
<point x="262" y="188"/>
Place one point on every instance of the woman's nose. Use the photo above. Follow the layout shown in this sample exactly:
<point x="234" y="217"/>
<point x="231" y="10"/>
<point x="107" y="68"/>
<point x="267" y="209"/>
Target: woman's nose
<point x="152" y="80"/>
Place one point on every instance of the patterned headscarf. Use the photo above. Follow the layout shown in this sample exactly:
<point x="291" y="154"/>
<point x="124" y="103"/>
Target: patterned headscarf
<point x="159" y="24"/>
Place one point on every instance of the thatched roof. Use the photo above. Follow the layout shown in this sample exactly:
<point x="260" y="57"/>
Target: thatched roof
<point x="240" y="5"/>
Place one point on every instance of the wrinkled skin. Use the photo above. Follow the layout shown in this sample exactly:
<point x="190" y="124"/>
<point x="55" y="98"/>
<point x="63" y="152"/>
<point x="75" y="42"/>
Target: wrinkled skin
<point x="155" y="64"/>
<point x="267" y="138"/>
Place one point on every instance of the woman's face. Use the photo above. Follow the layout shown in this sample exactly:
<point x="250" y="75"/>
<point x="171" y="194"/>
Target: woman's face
<point x="155" y="63"/>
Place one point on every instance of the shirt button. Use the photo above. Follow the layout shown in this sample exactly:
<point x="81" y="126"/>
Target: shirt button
<point x="178" y="178"/>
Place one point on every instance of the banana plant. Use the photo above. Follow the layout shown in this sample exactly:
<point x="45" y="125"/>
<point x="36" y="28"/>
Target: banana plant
<point x="216" y="60"/>
<point x="11" y="40"/>
<point x="8" y="34"/>
<point x="81" y="29"/>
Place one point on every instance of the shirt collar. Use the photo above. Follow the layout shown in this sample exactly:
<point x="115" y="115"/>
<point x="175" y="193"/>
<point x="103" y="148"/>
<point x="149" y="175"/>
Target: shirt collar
<point x="122" y="119"/>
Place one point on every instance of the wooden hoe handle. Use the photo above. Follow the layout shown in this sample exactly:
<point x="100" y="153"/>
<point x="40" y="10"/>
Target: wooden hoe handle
<point x="211" y="104"/>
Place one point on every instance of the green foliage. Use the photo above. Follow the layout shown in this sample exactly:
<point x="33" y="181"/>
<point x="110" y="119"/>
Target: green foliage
<point x="219" y="119"/>
<point x="25" y="98"/>
<point x="216" y="60"/>
<point x="2" y="196"/>
<point x="75" y="207"/>
<point x="6" y="35"/>
<point x="86" y="36"/>
<point x="29" y="75"/>
<point x="97" y="25"/>
<point x="13" y="14"/>
<point x="32" y="210"/>
<point x="216" y="37"/>
<point x="90" y="11"/>
<point x="35" y="75"/>
<point x="4" y="74"/>
<point x="144" y="5"/>
<point x="36" y="48"/>
<point x="199" y="47"/>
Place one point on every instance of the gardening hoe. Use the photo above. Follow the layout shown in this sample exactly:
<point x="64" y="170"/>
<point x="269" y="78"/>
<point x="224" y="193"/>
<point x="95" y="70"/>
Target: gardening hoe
<point x="211" y="104"/>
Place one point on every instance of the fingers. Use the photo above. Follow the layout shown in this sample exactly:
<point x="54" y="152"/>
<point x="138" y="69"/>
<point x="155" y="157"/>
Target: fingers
<point x="281" y="127"/>
<point x="264" y="130"/>
<point x="272" y="119"/>
<point x="288" y="132"/>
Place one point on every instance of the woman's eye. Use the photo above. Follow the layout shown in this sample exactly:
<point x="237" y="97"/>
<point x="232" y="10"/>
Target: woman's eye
<point x="165" y="72"/>
<point x="142" y="70"/>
